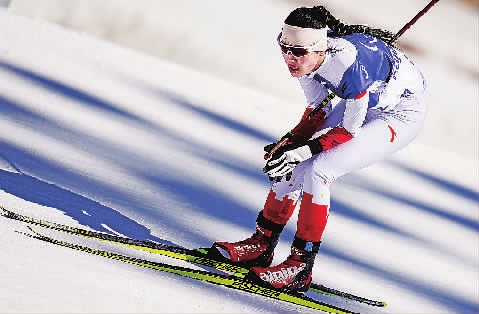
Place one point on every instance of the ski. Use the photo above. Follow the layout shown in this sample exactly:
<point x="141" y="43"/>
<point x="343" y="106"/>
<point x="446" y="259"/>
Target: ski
<point x="198" y="256"/>
<point x="229" y="281"/>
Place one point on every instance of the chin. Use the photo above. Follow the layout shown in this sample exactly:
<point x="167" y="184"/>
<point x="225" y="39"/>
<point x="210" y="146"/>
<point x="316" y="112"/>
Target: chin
<point x="296" y="74"/>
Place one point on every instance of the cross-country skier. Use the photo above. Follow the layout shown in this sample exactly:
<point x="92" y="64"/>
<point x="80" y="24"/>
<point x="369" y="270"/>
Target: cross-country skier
<point x="381" y="110"/>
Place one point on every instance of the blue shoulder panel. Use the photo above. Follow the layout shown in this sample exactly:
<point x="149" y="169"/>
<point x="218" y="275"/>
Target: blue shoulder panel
<point x="375" y="61"/>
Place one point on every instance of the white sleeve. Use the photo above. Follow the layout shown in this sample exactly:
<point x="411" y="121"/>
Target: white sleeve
<point x="314" y="92"/>
<point x="355" y="114"/>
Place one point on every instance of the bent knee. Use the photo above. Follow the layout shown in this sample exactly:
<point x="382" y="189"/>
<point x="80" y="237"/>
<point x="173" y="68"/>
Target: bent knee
<point x="322" y="176"/>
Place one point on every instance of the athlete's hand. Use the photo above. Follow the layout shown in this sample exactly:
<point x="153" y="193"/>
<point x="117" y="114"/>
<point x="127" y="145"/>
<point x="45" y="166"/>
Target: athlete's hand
<point x="269" y="147"/>
<point x="285" y="159"/>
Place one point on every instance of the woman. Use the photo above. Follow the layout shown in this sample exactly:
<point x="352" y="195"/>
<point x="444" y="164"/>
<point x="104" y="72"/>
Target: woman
<point x="381" y="110"/>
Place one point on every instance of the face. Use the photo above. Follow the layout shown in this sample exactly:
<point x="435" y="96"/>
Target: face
<point x="300" y="66"/>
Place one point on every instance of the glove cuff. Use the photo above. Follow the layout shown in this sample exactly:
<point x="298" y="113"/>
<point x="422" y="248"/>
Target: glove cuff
<point x="315" y="146"/>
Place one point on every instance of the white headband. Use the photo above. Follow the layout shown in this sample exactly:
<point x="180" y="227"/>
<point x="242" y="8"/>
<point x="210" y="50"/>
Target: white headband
<point x="299" y="36"/>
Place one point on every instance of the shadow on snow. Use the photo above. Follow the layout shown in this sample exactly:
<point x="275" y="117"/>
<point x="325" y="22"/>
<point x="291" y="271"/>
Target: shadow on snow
<point x="35" y="188"/>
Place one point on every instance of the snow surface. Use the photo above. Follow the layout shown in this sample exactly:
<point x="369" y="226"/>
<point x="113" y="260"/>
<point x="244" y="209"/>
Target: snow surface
<point x="98" y="135"/>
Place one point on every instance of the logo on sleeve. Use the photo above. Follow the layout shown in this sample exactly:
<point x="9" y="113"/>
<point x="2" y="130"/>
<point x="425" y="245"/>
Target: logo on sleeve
<point x="366" y="74"/>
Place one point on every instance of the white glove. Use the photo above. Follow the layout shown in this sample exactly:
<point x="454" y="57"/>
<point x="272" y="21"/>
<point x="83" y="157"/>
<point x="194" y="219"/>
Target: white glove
<point x="287" y="157"/>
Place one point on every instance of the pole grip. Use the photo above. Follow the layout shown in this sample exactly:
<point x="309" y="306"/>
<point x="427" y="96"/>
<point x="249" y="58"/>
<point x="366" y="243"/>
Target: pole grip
<point x="275" y="148"/>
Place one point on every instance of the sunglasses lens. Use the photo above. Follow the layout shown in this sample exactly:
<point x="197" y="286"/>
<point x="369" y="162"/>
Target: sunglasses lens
<point x="284" y="49"/>
<point x="299" y="52"/>
<point x="295" y="51"/>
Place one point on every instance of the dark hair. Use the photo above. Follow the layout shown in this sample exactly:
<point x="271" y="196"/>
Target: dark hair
<point x="320" y="17"/>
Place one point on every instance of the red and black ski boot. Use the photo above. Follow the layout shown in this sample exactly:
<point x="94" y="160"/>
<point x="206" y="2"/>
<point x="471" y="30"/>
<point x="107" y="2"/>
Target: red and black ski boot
<point x="294" y="274"/>
<point x="257" y="250"/>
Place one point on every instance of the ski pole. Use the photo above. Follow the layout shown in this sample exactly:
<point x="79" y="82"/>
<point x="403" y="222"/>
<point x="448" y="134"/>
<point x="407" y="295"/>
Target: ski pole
<point x="413" y="20"/>
<point x="331" y="95"/>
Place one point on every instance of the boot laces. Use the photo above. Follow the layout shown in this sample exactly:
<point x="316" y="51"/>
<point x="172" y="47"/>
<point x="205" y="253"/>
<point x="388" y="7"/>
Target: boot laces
<point x="257" y="238"/>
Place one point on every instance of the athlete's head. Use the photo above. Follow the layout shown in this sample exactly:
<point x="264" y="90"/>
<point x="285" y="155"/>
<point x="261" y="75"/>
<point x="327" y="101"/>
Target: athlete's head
<point x="303" y="41"/>
<point x="303" y="38"/>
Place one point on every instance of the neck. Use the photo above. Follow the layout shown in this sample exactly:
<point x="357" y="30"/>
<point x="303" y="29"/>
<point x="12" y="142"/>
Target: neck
<point x="321" y="57"/>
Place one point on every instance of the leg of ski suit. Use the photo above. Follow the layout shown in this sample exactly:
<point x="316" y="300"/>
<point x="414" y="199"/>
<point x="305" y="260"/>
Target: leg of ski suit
<point x="382" y="134"/>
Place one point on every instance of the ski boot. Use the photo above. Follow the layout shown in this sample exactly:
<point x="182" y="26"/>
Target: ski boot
<point x="294" y="274"/>
<point x="257" y="250"/>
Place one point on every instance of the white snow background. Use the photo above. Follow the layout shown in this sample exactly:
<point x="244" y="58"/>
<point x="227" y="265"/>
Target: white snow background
<point x="165" y="144"/>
